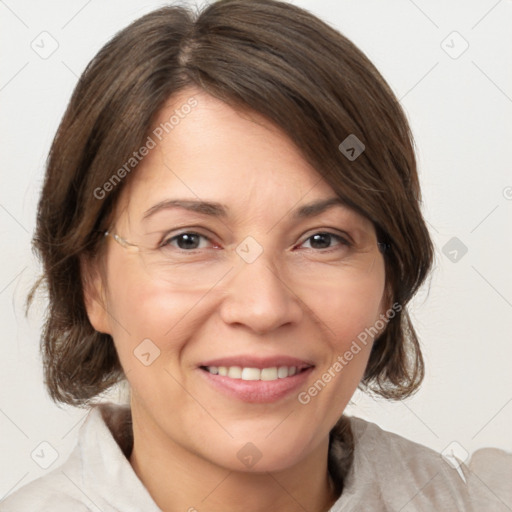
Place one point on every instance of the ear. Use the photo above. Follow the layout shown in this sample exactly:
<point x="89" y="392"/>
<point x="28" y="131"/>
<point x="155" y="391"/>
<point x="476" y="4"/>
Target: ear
<point x="94" y="294"/>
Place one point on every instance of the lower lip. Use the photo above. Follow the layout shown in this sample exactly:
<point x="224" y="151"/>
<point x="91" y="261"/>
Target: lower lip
<point x="256" y="391"/>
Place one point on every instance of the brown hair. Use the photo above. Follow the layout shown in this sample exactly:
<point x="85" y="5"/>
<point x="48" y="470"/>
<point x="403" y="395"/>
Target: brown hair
<point x="263" y="55"/>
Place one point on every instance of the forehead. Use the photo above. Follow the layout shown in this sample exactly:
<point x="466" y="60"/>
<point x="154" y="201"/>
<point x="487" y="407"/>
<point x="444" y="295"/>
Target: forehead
<point x="215" y="153"/>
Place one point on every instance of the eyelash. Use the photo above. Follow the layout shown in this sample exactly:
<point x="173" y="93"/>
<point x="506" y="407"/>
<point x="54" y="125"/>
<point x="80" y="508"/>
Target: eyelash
<point x="342" y="241"/>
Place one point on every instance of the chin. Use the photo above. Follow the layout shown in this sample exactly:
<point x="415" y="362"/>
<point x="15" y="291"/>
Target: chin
<point x="261" y="455"/>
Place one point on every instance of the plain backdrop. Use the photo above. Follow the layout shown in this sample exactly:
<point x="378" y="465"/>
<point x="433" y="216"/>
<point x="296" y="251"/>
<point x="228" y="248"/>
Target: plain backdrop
<point x="448" y="63"/>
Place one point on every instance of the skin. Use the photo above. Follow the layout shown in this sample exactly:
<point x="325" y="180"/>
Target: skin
<point x="293" y="299"/>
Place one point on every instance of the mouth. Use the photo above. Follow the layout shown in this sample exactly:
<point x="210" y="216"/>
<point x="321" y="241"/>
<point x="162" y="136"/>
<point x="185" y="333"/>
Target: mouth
<point x="256" y="380"/>
<point x="268" y="374"/>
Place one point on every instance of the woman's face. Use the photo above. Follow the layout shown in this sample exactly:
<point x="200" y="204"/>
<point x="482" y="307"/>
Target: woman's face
<point x="233" y="320"/>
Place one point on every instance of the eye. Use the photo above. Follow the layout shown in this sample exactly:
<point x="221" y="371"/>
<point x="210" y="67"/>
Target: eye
<point x="187" y="241"/>
<point x="324" y="240"/>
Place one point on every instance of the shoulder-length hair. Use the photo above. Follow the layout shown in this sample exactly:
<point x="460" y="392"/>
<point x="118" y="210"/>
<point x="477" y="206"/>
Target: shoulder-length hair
<point x="260" y="55"/>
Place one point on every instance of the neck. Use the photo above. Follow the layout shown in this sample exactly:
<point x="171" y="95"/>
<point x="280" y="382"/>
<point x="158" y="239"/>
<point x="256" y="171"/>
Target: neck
<point x="179" y="480"/>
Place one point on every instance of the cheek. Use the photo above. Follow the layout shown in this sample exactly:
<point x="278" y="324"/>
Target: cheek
<point x="350" y="313"/>
<point x="140" y="310"/>
<point x="351" y="306"/>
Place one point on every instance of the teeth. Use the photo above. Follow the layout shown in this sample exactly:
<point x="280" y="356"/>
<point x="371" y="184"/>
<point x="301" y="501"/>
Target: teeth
<point x="237" y="372"/>
<point x="282" y="372"/>
<point x="251" y="374"/>
<point x="269" y="374"/>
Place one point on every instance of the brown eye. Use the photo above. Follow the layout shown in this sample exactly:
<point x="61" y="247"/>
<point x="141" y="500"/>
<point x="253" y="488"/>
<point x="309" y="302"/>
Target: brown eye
<point x="324" y="240"/>
<point x="187" y="241"/>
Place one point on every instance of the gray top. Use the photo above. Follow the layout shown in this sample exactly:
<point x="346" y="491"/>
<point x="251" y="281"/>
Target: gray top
<point x="385" y="472"/>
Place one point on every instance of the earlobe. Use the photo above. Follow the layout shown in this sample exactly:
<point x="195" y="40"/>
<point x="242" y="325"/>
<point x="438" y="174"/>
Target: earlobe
<point x="94" y="295"/>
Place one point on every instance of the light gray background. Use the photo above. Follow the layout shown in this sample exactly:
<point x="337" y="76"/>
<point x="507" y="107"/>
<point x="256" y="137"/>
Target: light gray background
<point x="460" y="110"/>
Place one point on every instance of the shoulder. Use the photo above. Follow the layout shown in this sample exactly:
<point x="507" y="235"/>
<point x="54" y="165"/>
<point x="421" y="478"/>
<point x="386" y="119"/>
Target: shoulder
<point x="97" y="475"/>
<point x="387" y="450"/>
<point x="53" y="491"/>
<point x="388" y="469"/>
<point x="64" y="488"/>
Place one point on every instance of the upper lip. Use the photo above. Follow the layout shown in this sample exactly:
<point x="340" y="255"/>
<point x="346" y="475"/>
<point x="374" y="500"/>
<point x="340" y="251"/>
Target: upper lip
<point x="248" y="361"/>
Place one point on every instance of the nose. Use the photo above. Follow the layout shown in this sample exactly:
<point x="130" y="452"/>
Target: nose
<point x="258" y="297"/>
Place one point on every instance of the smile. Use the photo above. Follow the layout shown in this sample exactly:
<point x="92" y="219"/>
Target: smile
<point x="247" y="373"/>
<point x="255" y="379"/>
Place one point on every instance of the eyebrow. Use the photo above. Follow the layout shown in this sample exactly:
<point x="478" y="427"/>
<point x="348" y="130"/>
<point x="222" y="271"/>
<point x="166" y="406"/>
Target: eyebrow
<point x="214" y="209"/>
<point x="318" y="207"/>
<point x="203" y="207"/>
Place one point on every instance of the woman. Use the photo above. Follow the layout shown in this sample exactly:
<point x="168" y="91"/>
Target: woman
<point x="231" y="222"/>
